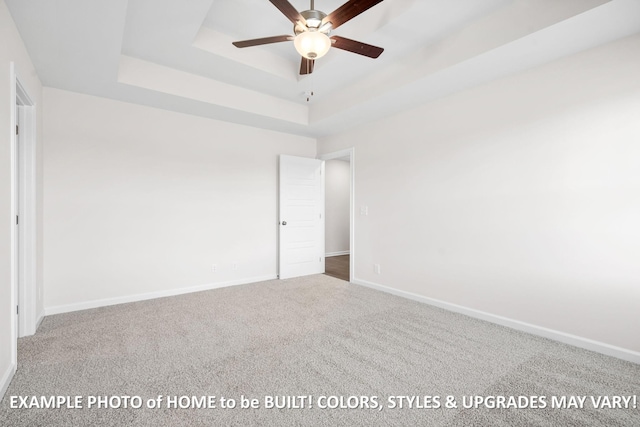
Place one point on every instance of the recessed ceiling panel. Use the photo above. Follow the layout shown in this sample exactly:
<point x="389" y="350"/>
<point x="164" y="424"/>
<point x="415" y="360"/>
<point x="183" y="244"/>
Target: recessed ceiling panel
<point x="160" y="52"/>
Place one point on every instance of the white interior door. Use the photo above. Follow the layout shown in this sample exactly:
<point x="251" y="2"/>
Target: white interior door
<point x="301" y="223"/>
<point x="16" y="222"/>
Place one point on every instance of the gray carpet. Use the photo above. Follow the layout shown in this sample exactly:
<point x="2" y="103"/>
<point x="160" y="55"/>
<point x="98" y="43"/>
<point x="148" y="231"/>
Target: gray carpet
<point x="315" y="336"/>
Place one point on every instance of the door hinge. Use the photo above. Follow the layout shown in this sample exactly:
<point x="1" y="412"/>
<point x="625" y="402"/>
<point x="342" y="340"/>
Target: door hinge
<point x="17" y="130"/>
<point x="17" y="219"/>
<point x="17" y="309"/>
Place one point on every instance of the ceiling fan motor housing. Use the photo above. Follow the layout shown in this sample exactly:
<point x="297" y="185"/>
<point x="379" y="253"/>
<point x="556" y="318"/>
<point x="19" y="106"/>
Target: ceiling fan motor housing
<point x="314" y="21"/>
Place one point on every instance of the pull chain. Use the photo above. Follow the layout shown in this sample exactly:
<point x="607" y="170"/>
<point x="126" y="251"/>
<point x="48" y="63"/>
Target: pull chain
<point x="309" y="92"/>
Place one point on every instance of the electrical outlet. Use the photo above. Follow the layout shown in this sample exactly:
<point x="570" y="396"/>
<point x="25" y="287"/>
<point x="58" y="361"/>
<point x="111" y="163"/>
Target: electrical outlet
<point x="376" y="268"/>
<point x="235" y="266"/>
<point x="364" y="210"/>
<point x="214" y="268"/>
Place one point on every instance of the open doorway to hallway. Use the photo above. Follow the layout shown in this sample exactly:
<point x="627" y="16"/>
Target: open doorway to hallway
<point x="337" y="266"/>
<point x="338" y="214"/>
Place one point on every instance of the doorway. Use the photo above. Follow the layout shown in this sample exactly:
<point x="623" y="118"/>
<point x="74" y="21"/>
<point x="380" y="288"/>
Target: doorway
<point x="339" y="196"/>
<point x="25" y="295"/>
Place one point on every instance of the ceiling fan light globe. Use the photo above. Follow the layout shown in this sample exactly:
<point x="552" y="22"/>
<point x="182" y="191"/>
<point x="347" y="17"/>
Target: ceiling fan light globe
<point x="312" y="44"/>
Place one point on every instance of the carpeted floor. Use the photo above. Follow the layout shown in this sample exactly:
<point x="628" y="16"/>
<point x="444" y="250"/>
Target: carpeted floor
<point x="315" y="336"/>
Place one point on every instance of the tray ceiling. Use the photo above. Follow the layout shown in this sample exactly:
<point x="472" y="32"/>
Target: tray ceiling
<point x="177" y="55"/>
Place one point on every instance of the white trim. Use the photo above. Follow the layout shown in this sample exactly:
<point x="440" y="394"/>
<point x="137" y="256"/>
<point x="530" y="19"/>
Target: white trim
<point x="351" y="152"/>
<point x="151" y="295"/>
<point x="338" y="253"/>
<point x="574" y="340"/>
<point x="6" y="379"/>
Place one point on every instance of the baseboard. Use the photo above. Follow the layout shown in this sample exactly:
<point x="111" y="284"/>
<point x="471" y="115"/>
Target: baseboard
<point x="39" y="321"/>
<point x="574" y="340"/>
<point x="6" y="379"/>
<point x="339" y="253"/>
<point x="151" y="295"/>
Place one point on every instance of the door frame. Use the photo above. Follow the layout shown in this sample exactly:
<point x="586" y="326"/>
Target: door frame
<point x="23" y="148"/>
<point x="350" y="152"/>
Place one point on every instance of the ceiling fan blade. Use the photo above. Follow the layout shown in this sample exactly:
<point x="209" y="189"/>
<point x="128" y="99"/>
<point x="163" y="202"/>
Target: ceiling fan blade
<point x="264" y="40"/>
<point x="289" y="11"/>
<point x="348" y="11"/>
<point x="356" y="47"/>
<point x="306" y="66"/>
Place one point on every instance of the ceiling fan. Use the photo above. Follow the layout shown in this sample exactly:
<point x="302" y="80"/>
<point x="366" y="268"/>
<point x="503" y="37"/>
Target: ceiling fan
<point x="312" y="28"/>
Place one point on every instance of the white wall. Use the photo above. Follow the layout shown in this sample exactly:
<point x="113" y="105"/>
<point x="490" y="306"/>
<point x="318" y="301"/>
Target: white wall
<point x="12" y="49"/>
<point x="520" y="198"/>
<point x="337" y="198"/>
<point x="143" y="201"/>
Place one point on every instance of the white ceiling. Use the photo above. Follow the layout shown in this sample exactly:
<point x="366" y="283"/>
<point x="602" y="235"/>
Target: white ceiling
<point x="177" y="55"/>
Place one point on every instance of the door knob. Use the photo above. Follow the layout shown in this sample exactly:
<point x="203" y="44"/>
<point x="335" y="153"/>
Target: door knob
<point x="284" y="222"/>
